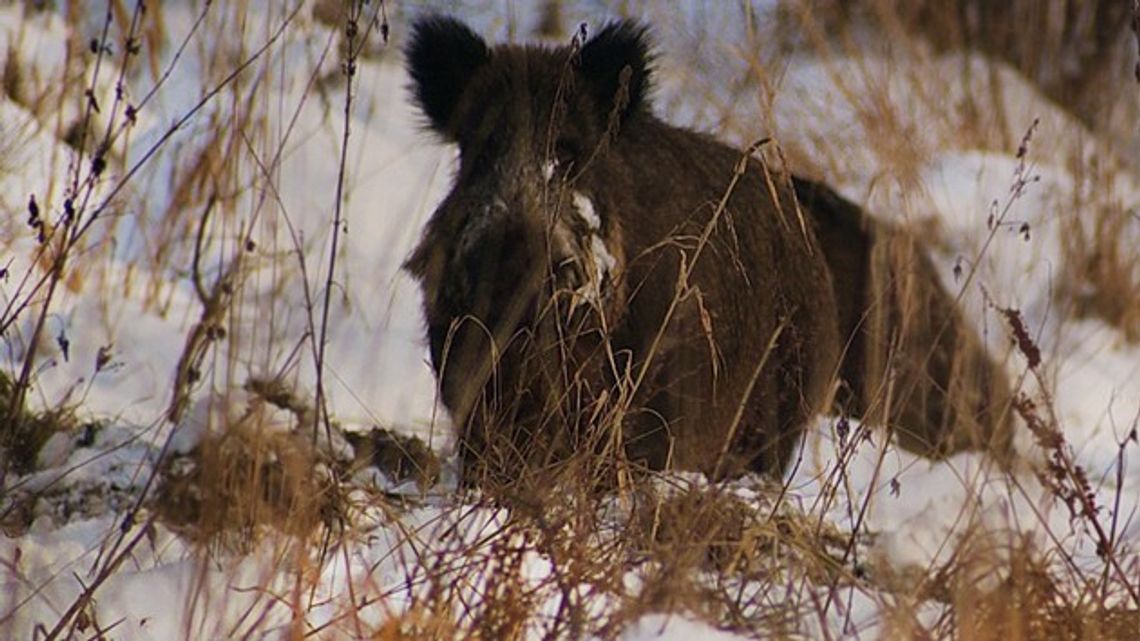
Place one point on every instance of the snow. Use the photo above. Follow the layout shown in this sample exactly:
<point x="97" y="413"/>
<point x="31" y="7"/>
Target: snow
<point x="663" y="626"/>
<point x="585" y="208"/>
<point x="376" y="364"/>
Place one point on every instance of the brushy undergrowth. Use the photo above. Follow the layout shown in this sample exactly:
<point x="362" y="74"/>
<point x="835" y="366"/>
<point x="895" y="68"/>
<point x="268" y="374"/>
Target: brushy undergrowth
<point x="249" y="475"/>
<point x="588" y="548"/>
<point x="24" y="432"/>
<point x="1101" y="278"/>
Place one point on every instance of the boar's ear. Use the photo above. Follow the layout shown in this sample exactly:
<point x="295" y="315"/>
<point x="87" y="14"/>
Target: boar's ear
<point x="442" y="56"/>
<point x="618" y="46"/>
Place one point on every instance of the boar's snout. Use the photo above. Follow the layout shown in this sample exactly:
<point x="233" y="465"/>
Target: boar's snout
<point x="495" y="270"/>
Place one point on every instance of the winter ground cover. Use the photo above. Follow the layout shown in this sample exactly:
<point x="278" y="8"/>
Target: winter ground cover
<point x="234" y="208"/>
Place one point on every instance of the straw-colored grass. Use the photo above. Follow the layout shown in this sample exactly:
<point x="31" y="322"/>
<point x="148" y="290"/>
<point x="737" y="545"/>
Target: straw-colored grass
<point x="611" y="544"/>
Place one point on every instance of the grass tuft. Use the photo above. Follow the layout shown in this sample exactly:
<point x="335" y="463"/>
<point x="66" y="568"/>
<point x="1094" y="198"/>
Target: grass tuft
<point x="247" y="478"/>
<point x="23" y="432"/>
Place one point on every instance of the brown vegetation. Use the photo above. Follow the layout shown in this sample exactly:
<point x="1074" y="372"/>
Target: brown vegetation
<point x="565" y="560"/>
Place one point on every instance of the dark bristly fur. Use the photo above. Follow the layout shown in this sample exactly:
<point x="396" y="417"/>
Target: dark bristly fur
<point x="910" y="359"/>
<point x="584" y="287"/>
<point x="440" y="75"/>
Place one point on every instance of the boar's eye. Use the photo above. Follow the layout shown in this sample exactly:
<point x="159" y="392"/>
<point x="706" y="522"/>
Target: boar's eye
<point x="567" y="152"/>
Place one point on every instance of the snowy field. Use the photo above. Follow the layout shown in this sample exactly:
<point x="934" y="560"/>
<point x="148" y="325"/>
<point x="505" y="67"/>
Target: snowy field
<point x="221" y="180"/>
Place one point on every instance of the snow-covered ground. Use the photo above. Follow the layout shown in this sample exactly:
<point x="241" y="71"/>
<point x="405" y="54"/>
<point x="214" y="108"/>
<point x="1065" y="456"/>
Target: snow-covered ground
<point x="376" y="369"/>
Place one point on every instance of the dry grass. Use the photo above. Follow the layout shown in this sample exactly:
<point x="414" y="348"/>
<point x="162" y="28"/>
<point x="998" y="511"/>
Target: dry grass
<point x="1101" y="278"/>
<point x="588" y="547"/>
<point x="23" y="432"/>
<point x="246" y="477"/>
<point x="1081" y="55"/>
<point x="1086" y="64"/>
